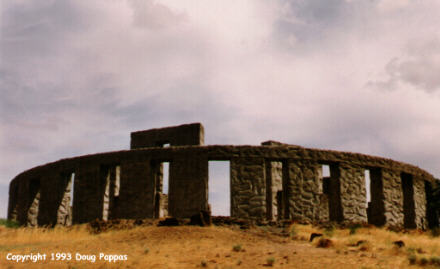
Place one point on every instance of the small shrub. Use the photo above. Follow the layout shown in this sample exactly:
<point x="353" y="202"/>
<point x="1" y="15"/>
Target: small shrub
<point x="203" y="263"/>
<point x="354" y="227"/>
<point x="9" y="223"/>
<point x="239" y="262"/>
<point x="270" y="261"/>
<point x="293" y="231"/>
<point x="146" y="251"/>
<point x="423" y="261"/>
<point x="435" y="232"/>
<point x="324" y="243"/>
<point x="435" y="260"/>
<point x="329" y="230"/>
<point x="236" y="248"/>
<point x="412" y="259"/>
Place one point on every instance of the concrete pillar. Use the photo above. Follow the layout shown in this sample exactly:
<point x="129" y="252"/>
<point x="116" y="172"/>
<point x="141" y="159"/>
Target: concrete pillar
<point x="188" y="186"/>
<point x="304" y="190"/>
<point x="53" y="186"/>
<point x="137" y="189"/>
<point x="393" y="197"/>
<point x="13" y="201"/>
<point x="248" y="188"/>
<point x="89" y="191"/>
<point x="420" y="203"/>
<point x="353" y="193"/>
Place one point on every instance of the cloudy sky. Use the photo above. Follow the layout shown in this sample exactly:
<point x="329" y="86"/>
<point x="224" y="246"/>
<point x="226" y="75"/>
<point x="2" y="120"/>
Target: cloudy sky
<point x="76" y="77"/>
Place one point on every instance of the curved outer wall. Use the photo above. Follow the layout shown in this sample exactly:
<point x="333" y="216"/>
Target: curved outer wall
<point x="269" y="182"/>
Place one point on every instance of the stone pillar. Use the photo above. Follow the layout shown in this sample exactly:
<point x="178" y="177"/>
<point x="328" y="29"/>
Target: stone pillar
<point x="393" y="197"/>
<point x="53" y="186"/>
<point x="420" y="203"/>
<point x="304" y="190"/>
<point x="353" y="193"/>
<point x="64" y="212"/>
<point x="188" y="186"/>
<point x="248" y="190"/>
<point x="89" y="191"/>
<point x="137" y="189"/>
<point x="13" y="201"/>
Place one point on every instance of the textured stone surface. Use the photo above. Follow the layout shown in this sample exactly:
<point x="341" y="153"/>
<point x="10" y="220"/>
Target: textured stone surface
<point x="187" y="134"/>
<point x="248" y="190"/>
<point x="420" y="203"/>
<point x="188" y="186"/>
<point x="353" y="193"/>
<point x="268" y="182"/>
<point x="393" y="197"/>
<point x="305" y="191"/>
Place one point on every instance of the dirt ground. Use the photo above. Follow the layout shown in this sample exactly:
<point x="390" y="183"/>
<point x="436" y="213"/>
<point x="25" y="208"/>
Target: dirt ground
<point x="212" y="247"/>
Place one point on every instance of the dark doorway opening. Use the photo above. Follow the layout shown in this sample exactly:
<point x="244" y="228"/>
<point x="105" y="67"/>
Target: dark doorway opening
<point x="375" y="197"/>
<point x="409" y="213"/>
<point x="331" y="187"/>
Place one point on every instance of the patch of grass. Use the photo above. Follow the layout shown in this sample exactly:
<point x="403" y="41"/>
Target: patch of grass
<point x="270" y="261"/>
<point x="236" y="248"/>
<point x="9" y="223"/>
<point x="423" y="261"/>
<point x="435" y="260"/>
<point x="353" y="228"/>
<point x="329" y="230"/>
<point x="412" y="259"/>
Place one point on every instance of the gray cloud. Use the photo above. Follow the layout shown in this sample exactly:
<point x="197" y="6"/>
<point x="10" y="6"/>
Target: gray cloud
<point x="76" y="77"/>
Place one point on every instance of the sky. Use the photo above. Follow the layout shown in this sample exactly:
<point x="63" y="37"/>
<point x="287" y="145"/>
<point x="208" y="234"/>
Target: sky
<point x="76" y="77"/>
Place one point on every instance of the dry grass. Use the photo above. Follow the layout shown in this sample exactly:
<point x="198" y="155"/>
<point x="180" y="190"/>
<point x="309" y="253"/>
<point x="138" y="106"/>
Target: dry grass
<point x="217" y="247"/>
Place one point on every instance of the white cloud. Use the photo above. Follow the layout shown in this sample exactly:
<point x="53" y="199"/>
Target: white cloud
<point x="77" y="76"/>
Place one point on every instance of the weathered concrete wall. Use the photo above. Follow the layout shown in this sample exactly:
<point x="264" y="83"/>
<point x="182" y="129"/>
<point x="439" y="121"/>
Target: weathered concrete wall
<point x="273" y="181"/>
<point x="248" y="190"/>
<point x="188" y="186"/>
<point x="305" y="190"/>
<point x="137" y="190"/>
<point x="89" y="194"/>
<point x="182" y="135"/>
<point x="353" y="193"/>
<point x="393" y="197"/>
<point x="420" y="203"/>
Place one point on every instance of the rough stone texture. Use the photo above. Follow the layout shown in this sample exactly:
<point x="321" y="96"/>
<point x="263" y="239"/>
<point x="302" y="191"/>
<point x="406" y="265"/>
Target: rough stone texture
<point x="304" y="190"/>
<point x="40" y="195"/>
<point x="248" y="191"/>
<point x="187" y="134"/>
<point x="188" y="186"/>
<point x="89" y="188"/>
<point x="64" y="213"/>
<point x="32" y="213"/>
<point x="420" y="203"/>
<point x="353" y="193"/>
<point x="393" y="197"/>
<point x="137" y="190"/>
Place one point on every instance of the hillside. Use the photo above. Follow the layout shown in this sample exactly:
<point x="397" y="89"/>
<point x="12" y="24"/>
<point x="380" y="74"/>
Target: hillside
<point x="149" y="246"/>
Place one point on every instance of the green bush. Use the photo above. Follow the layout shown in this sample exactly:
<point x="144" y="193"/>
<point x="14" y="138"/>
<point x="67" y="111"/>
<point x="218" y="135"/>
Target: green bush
<point x="236" y="248"/>
<point x="270" y="261"/>
<point x="412" y="259"/>
<point x="353" y="228"/>
<point x="9" y="223"/>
